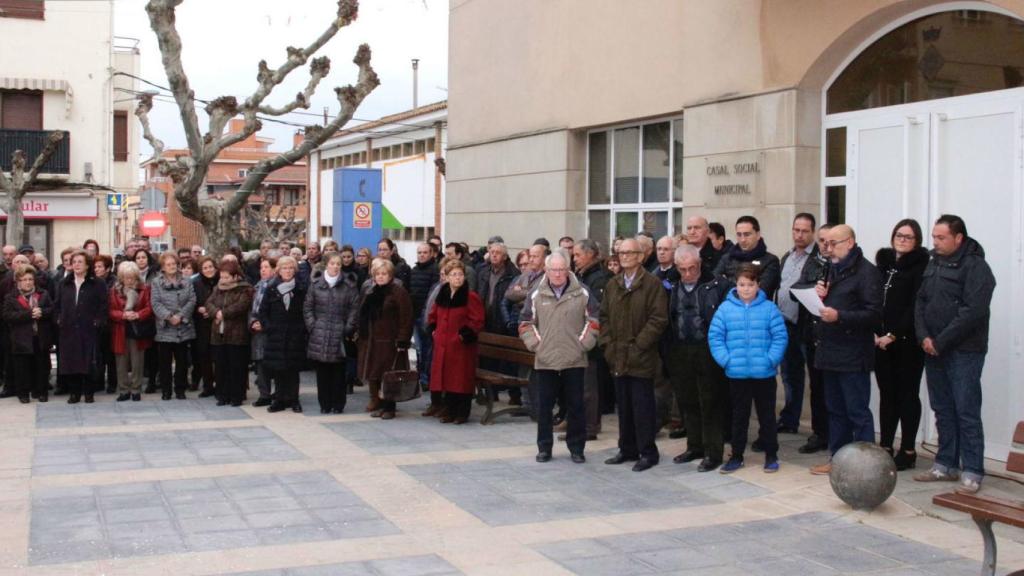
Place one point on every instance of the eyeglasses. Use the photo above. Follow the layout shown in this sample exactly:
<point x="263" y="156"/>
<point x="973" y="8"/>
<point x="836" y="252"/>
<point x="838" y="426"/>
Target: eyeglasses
<point x="906" y="237"/>
<point x="629" y="252"/>
<point x="558" y="270"/>
<point x="834" y="243"/>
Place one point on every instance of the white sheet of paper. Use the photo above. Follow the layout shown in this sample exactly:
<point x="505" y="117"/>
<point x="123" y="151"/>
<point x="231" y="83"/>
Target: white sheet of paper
<point x="809" y="298"/>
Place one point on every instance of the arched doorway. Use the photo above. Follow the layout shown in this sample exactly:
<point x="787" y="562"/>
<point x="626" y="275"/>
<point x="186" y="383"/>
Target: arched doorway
<point x="927" y="118"/>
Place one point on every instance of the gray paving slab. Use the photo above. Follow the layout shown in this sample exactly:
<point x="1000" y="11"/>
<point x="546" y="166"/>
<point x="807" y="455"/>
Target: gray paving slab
<point x="426" y="565"/>
<point x="412" y="433"/>
<point x="767" y="547"/>
<point x="178" y="516"/>
<point x="61" y="415"/>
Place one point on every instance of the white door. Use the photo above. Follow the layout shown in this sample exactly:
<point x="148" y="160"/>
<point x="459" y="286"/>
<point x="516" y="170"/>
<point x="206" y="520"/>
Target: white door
<point x="961" y="156"/>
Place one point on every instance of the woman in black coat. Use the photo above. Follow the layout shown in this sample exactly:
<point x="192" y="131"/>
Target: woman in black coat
<point x="81" y="315"/>
<point x="284" y="350"/>
<point x="899" y="361"/>
<point x="28" y="313"/>
<point x="202" y="358"/>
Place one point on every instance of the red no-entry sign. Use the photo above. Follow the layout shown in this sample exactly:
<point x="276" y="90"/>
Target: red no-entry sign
<point x="153" y="224"/>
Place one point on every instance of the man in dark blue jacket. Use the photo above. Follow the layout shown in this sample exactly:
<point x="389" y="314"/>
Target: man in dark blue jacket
<point x="951" y="321"/>
<point x="852" y="295"/>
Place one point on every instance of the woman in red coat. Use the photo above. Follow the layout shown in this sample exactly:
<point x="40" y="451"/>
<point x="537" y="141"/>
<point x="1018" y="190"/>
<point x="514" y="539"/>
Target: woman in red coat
<point x="456" y="318"/>
<point x="129" y="303"/>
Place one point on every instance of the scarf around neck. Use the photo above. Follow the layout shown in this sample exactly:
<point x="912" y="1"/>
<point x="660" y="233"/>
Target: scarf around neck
<point x="740" y="255"/>
<point x="226" y="285"/>
<point x="331" y="280"/>
<point x="285" y="289"/>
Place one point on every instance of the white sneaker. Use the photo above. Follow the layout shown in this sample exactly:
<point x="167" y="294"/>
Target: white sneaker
<point x="934" y="475"/>
<point x="968" y="486"/>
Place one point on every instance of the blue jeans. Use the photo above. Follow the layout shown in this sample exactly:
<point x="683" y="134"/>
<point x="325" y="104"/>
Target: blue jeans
<point x="848" y="395"/>
<point x="424" y="350"/>
<point x="954" y="389"/>
<point x="793" y="378"/>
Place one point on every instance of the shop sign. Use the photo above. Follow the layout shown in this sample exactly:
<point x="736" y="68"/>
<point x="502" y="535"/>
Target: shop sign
<point x="57" y="207"/>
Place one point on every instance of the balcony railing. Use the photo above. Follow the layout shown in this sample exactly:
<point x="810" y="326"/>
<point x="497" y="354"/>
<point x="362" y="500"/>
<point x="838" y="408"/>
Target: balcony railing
<point x="32" y="142"/>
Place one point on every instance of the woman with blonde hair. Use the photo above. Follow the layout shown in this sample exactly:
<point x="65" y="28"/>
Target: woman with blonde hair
<point x="129" y="303"/>
<point x="385" y="331"/>
<point x="284" y="350"/>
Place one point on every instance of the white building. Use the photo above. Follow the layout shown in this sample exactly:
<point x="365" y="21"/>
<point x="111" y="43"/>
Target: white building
<point x="404" y="147"/>
<point x="58" y="61"/>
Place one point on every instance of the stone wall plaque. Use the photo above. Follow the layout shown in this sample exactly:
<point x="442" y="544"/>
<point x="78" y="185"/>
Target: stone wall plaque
<point x="734" y="180"/>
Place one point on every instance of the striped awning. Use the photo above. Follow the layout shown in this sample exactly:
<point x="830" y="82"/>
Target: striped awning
<point x="7" y="83"/>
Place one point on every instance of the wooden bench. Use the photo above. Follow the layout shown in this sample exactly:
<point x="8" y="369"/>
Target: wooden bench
<point x="506" y="349"/>
<point x="986" y="510"/>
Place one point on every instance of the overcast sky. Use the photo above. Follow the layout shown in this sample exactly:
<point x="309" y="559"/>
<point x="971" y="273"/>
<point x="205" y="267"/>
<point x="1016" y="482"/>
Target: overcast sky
<point x="224" y="41"/>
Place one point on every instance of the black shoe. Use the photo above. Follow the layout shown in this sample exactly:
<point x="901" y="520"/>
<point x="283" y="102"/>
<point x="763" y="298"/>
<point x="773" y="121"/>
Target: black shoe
<point x="619" y="458"/>
<point x="165" y="396"/>
<point x="74" y="398"/>
<point x="578" y="458"/>
<point x="44" y="397"/>
<point x="813" y="445"/>
<point x="643" y="464"/>
<point x="297" y="408"/>
<point x="277" y="407"/>
<point x="222" y="402"/>
<point x="136" y="397"/>
<point x="708" y="464"/>
<point x="338" y="410"/>
<point x="543" y="457"/>
<point x="236" y="403"/>
<point x="325" y="410"/>
<point x="150" y="389"/>
<point x="23" y="399"/>
<point x="905" y="461"/>
<point x="757" y="446"/>
<point x="688" y="456"/>
<point x="89" y="399"/>
<point x="259" y="402"/>
<point x="180" y="396"/>
<point x="206" y="393"/>
<point x="111" y="388"/>
<point x="677" y="433"/>
<point x="782" y="429"/>
<point x="123" y="397"/>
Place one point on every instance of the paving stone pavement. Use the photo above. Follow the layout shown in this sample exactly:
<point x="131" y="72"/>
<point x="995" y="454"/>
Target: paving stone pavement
<point x="185" y="487"/>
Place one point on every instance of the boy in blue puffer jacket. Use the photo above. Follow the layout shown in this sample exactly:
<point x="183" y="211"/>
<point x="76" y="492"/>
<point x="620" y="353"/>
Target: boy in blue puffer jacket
<point x="748" y="339"/>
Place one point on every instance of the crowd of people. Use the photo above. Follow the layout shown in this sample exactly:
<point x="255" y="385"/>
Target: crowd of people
<point x="682" y="332"/>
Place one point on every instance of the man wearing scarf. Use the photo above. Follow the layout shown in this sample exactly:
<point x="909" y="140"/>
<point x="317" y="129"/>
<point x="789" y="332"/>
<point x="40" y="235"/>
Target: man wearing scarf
<point x="852" y="294"/>
<point x="751" y="249"/>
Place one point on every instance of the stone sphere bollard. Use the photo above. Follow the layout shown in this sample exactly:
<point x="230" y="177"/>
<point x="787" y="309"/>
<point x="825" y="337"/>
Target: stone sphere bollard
<point x="863" y="475"/>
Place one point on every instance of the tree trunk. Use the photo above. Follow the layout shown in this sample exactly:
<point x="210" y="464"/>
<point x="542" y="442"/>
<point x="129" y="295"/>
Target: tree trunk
<point x="15" y="230"/>
<point x="221" y="228"/>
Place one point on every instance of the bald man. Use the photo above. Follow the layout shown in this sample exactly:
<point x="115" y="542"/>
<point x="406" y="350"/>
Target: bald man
<point x="698" y="234"/>
<point x="852" y="294"/>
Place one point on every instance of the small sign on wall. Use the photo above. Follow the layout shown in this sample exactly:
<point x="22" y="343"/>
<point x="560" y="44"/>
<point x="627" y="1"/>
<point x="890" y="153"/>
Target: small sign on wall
<point x="362" y="215"/>
<point x="734" y="180"/>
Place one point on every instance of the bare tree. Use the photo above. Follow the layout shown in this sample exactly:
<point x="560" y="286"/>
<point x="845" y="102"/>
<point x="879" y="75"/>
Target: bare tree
<point x="220" y="218"/>
<point x="19" y="183"/>
<point x="274" y="223"/>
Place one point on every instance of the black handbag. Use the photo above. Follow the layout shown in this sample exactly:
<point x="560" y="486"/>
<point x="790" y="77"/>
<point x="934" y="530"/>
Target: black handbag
<point x="140" y="329"/>
<point x="400" y="385"/>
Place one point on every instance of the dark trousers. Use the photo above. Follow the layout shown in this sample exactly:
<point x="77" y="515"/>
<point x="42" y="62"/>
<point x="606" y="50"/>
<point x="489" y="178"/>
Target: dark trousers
<point x="178" y="352"/>
<point x="203" y="372"/>
<point x="30" y="373"/>
<point x="698" y="384"/>
<point x="637" y="417"/>
<point x="591" y="396"/>
<point x="898" y="371"/>
<point x="79" y="384"/>
<point x="457" y="405"/>
<point x="286" y="385"/>
<point x="954" y="390"/>
<point x="424" y="350"/>
<point x="794" y="375"/>
<point x="151" y="361"/>
<point x="605" y="384"/>
<point x="107" y="367"/>
<point x="849" y="414"/>
<point x="819" y="408"/>
<point x="232" y="371"/>
<point x="762" y="392"/>
<point x="330" y="385"/>
<point x="550" y="383"/>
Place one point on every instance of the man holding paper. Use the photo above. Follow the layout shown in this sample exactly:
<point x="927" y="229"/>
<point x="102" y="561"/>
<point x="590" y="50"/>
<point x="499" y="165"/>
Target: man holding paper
<point x="852" y="309"/>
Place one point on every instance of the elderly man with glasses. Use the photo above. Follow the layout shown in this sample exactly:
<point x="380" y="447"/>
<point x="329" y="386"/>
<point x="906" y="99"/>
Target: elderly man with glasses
<point x="634" y="314"/>
<point x="852" y="296"/>
<point x="559" y="325"/>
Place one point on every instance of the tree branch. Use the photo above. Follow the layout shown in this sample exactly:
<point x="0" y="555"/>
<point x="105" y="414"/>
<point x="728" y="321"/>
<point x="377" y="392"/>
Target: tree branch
<point x="350" y="97"/>
<point x="162" y="21"/>
<point x="52" y="141"/>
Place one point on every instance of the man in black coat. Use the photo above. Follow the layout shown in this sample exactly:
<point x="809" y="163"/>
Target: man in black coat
<point x="951" y="321"/>
<point x="852" y="297"/>
<point x="598" y="386"/>
<point x="493" y="279"/>
<point x="750" y="249"/>
<point x="698" y="235"/>
<point x="422" y="277"/>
